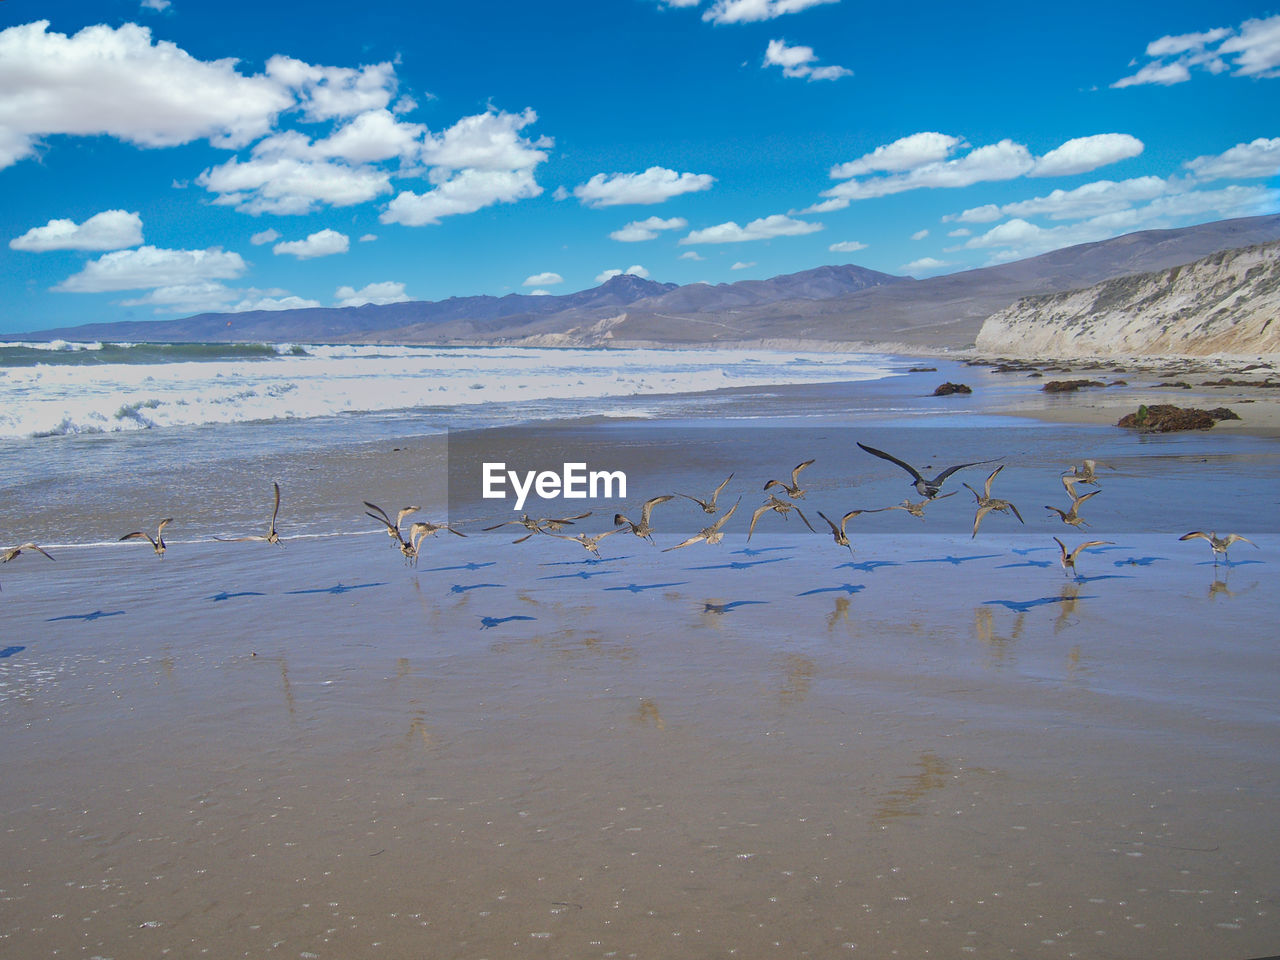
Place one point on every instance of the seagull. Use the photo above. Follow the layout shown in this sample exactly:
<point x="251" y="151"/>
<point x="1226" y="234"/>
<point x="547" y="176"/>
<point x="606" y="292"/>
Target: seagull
<point x="987" y="503"/>
<point x="781" y="507"/>
<point x="591" y="543"/>
<point x="642" y="529"/>
<point x="928" y="489"/>
<point x="1068" y="560"/>
<point x="1072" y="517"/>
<point x="917" y="509"/>
<point x="272" y="536"/>
<point x="711" y="534"/>
<point x="708" y="506"/>
<point x="793" y="491"/>
<point x="1217" y="543"/>
<point x="837" y="533"/>
<point x="157" y="542"/>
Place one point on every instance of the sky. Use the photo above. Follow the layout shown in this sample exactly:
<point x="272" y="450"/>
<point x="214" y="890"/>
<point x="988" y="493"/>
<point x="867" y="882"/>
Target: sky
<point x="163" y="158"/>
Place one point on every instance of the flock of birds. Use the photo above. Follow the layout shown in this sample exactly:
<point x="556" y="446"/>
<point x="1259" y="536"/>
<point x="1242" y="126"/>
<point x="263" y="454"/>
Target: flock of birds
<point x="409" y="541"/>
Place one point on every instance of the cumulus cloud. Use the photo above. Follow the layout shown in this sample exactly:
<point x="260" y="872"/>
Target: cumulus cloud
<point x="117" y="82"/>
<point x="465" y="192"/>
<point x="262" y="237"/>
<point x="1244" y="161"/>
<point x="108" y="230"/>
<point x="751" y="11"/>
<point x="743" y="266"/>
<point x="918" y="161"/>
<point x="847" y="246"/>
<point x="920" y="234"/>
<point x="1087" y="153"/>
<point x="259" y="300"/>
<point x="635" y="270"/>
<point x="798" y="61"/>
<point x="647" y="229"/>
<point x="923" y="265"/>
<point x="389" y="291"/>
<point x="368" y="238"/>
<point x="153" y="267"/>
<point x="1249" y="50"/>
<point x="328" y="93"/>
<point x="692" y="255"/>
<point x="322" y="243"/>
<point x="543" y="280"/>
<point x="156" y="5"/>
<point x="654" y="185"/>
<point x="272" y="182"/>
<point x="777" y="225"/>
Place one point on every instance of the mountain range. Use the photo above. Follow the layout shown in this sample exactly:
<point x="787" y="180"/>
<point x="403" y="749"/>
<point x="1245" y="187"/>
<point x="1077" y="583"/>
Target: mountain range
<point x="841" y="304"/>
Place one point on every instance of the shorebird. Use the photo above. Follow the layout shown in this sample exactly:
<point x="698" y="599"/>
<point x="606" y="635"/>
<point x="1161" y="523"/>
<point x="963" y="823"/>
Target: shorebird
<point x="780" y="507"/>
<point x="1217" y="543"/>
<point x="157" y="542"/>
<point x="1086" y="472"/>
<point x="421" y="529"/>
<point x="12" y="552"/>
<point x="1072" y="517"/>
<point x="393" y="529"/>
<point x="709" y="505"/>
<point x="988" y="503"/>
<point x="272" y="536"/>
<point x="837" y="532"/>
<point x="793" y="491"/>
<point x="592" y="544"/>
<point x="917" y="509"/>
<point x="928" y="489"/>
<point x="711" y="534"/>
<point x="540" y="525"/>
<point x="1068" y="560"/>
<point x="642" y="529"/>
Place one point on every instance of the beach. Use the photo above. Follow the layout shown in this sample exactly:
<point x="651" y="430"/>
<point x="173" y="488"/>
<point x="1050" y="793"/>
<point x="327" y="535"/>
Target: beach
<point x="932" y="743"/>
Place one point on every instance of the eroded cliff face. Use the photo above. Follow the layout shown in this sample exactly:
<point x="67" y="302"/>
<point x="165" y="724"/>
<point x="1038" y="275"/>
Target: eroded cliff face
<point x="1227" y="303"/>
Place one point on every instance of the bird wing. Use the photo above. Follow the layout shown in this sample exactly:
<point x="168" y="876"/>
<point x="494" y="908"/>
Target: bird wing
<point x="705" y="505"/>
<point x="404" y="512"/>
<point x="1196" y="533"/>
<point x="649" y="504"/>
<point x="497" y="525"/>
<point x="1076" y="501"/>
<point x="977" y="496"/>
<point x="1063" y="547"/>
<point x="760" y="512"/>
<point x="806" y="520"/>
<point x="276" y="509"/>
<point x="725" y="516"/>
<point x="136" y="535"/>
<point x="994" y="473"/>
<point x="580" y="516"/>
<point x="977" y="518"/>
<point x="163" y="523"/>
<point x="892" y="459"/>
<point x="795" y="474"/>
<point x="834" y="529"/>
<point x="694" y="539"/>
<point x="1016" y="513"/>
<point x="959" y="466"/>
<point x="724" y="484"/>
<point x="1233" y="537"/>
<point x="1086" y="545"/>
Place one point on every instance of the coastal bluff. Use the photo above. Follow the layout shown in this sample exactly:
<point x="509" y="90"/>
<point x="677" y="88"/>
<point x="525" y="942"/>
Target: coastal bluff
<point x="1225" y="303"/>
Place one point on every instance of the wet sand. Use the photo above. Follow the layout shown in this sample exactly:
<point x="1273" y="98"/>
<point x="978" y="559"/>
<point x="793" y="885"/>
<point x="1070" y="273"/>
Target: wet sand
<point x="938" y="745"/>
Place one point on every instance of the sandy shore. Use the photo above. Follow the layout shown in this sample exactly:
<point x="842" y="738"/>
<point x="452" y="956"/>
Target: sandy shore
<point x="935" y="745"/>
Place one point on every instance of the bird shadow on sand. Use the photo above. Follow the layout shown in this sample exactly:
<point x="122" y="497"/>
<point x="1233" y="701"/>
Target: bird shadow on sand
<point x="740" y="564"/>
<point x="867" y="566"/>
<point x="711" y="607"/>
<point x="1136" y="561"/>
<point x="468" y="587"/>
<point x="1227" y="563"/>
<point x="641" y="587"/>
<point x="488" y="623"/>
<point x="580" y="575"/>
<point x="10" y="651"/>
<point x="224" y="595"/>
<point x="472" y="565"/>
<point x="1022" y="606"/>
<point x="956" y="561"/>
<point x="1082" y="578"/>
<point x="586" y="561"/>
<point x="339" y="588"/>
<point x="96" y="615"/>
<point x="1023" y="551"/>
<point x="756" y="551"/>
<point x="1026" y="563"/>
<point x="846" y="588"/>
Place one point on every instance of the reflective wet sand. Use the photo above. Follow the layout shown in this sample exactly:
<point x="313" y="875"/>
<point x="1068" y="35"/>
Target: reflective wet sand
<point x="939" y="747"/>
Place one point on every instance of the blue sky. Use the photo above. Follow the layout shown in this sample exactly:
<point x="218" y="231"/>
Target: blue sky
<point x="167" y="157"/>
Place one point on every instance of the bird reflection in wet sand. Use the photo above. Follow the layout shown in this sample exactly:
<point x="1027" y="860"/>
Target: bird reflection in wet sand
<point x="1069" y="598"/>
<point x="648" y="712"/>
<point x="900" y="802"/>
<point x="984" y="628"/>
<point x="838" y="613"/>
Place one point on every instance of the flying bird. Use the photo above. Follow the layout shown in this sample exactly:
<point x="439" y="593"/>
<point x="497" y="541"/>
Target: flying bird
<point x="592" y="544"/>
<point x="837" y="532"/>
<point x="1068" y="560"/>
<point x="988" y="503"/>
<point x="929" y="489"/>
<point x="1072" y="517"/>
<point x="794" y="491"/>
<point x="780" y="507"/>
<point x="272" y="535"/>
<point x="711" y="534"/>
<point x="157" y="542"/>
<point x="709" y="505"/>
<point x="1218" y="544"/>
<point x="916" y="509"/>
<point x="643" y="528"/>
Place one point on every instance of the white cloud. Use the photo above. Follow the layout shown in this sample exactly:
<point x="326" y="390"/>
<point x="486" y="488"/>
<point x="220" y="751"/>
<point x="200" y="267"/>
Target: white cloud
<point x="328" y="93"/>
<point x="256" y="301"/>
<point x="153" y="267"/>
<point x="371" y="136"/>
<point x="743" y="266"/>
<point x="998" y="161"/>
<point x="487" y="141"/>
<point x="1260" y="158"/>
<point x="847" y="246"/>
<point x="799" y="62"/>
<point x="1250" y="50"/>
<point x="751" y="11"/>
<point x="983" y="214"/>
<point x="920" y="234"/>
<point x="543" y="280"/>
<point x="389" y="291"/>
<point x="466" y="192"/>
<point x="777" y="225"/>
<point x="692" y="255"/>
<point x="262" y="237"/>
<point x="636" y="271"/>
<point x="923" y="265"/>
<point x="647" y="229"/>
<point x="118" y="83"/>
<point x="322" y="243"/>
<point x="652" y="186"/>
<point x="960" y="232"/>
<point x="368" y="238"/>
<point x="108" y="230"/>
<point x="156" y="5"/>
<point x="185" y="298"/>
<point x="1087" y="153"/>
<point x="679" y="3"/>
<point x="906" y="153"/>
